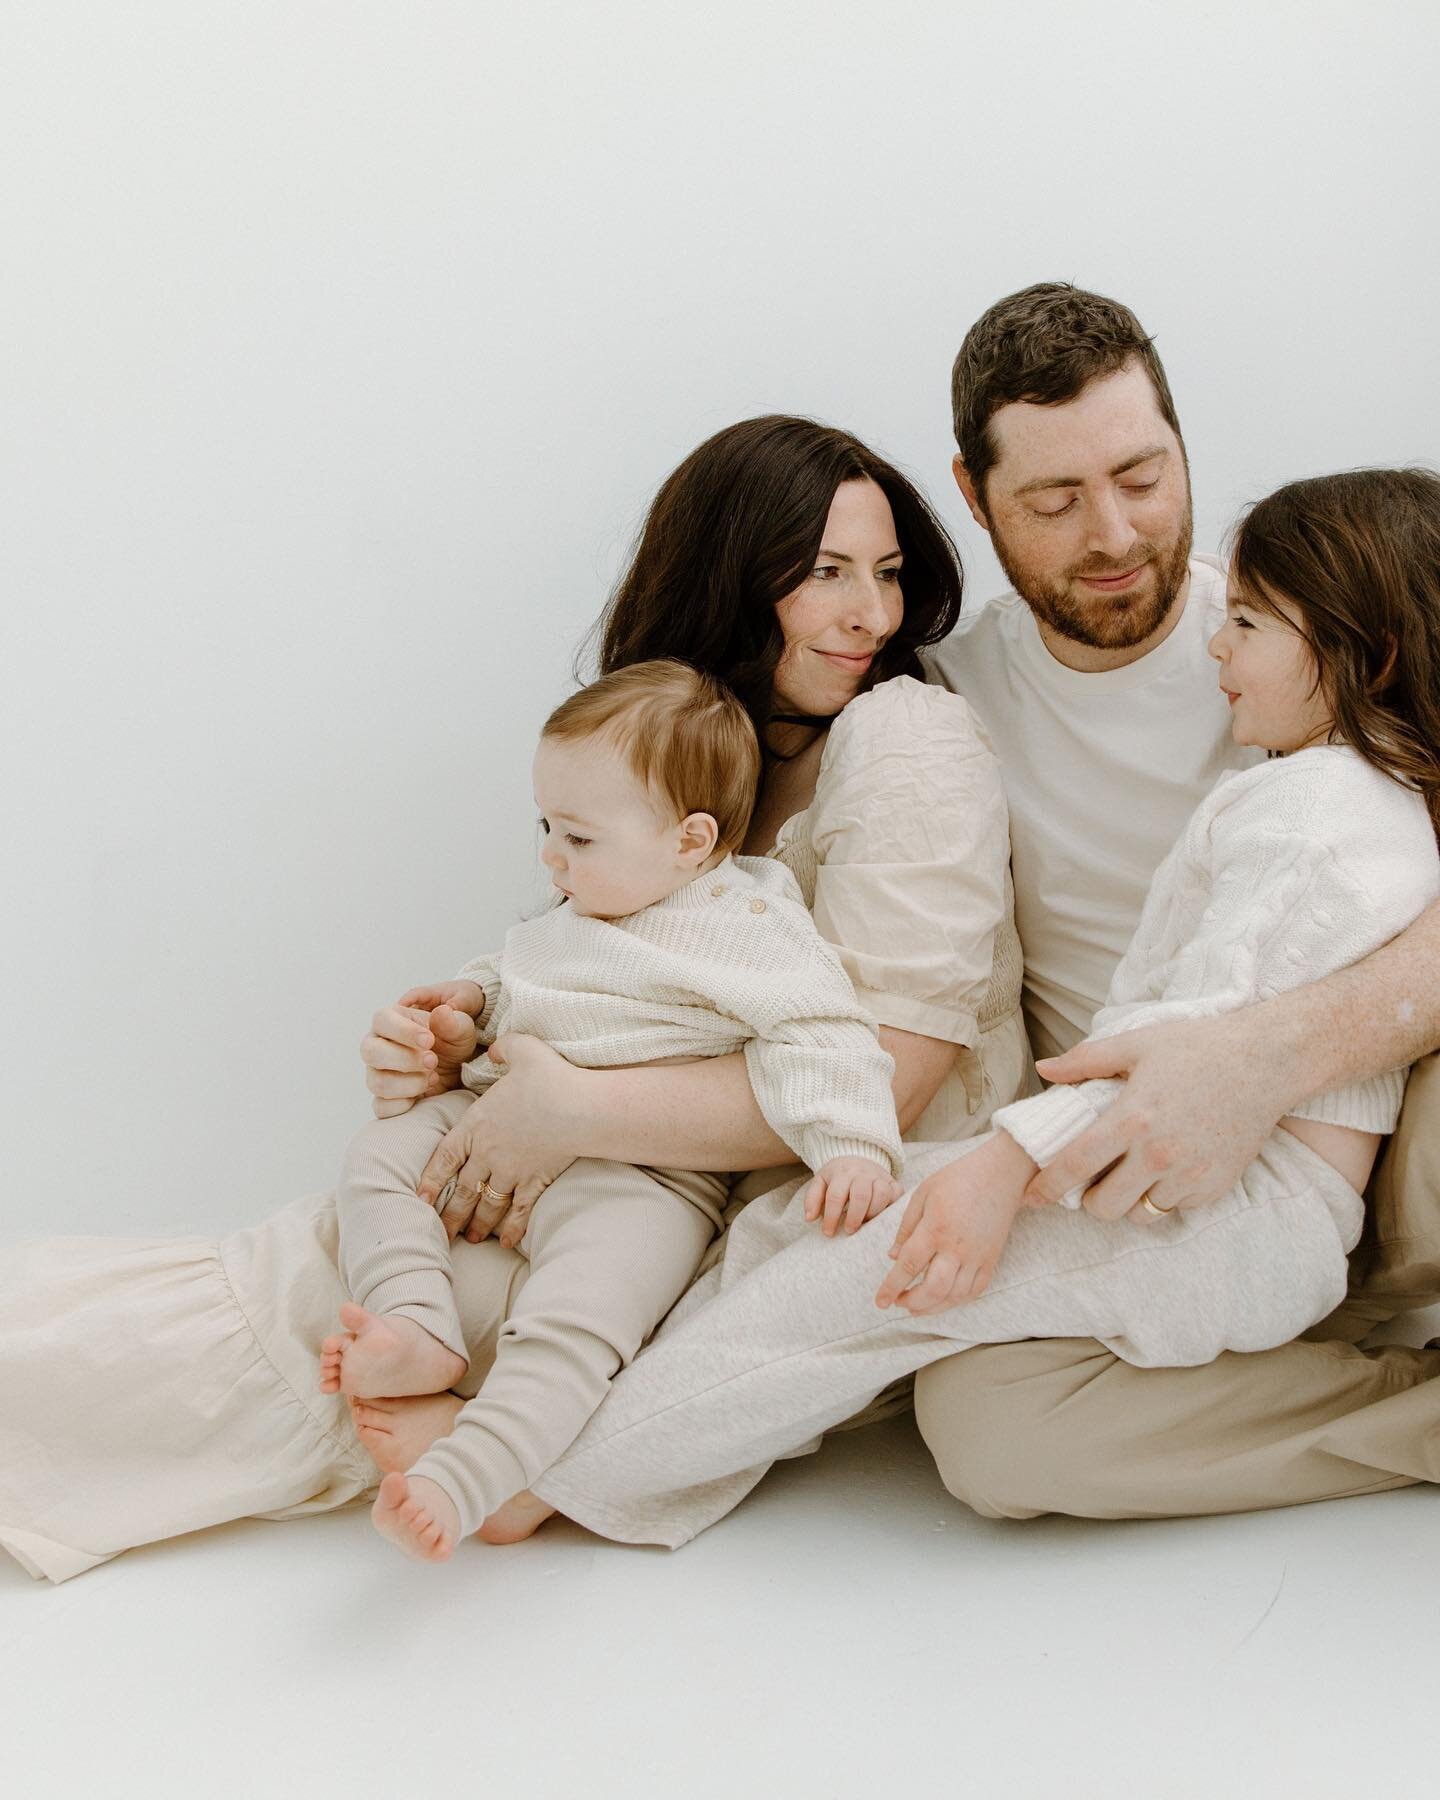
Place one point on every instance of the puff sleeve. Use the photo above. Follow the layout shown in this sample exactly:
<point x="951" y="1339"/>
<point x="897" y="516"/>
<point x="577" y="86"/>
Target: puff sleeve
<point x="911" y="838"/>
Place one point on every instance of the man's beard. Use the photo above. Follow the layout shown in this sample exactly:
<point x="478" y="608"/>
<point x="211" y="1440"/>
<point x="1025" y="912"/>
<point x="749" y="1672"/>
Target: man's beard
<point x="1099" y="621"/>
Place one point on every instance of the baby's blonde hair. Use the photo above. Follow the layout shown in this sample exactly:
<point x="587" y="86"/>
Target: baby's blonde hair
<point x="684" y="735"/>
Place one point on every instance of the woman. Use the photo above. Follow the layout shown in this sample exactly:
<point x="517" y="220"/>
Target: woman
<point x="796" y="565"/>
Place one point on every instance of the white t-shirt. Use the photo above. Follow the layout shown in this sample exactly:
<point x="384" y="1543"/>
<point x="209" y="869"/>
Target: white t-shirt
<point x="1101" y="773"/>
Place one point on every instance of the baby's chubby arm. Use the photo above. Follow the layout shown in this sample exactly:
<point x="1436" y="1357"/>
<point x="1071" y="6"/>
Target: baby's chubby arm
<point x="956" y="1226"/>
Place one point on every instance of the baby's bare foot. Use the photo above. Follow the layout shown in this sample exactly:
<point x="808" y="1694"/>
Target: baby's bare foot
<point x="385" y="1353"/>
<point x="397" y="1433"/>
<point x="418" y="1515"/>
<point x="520" y="1517"/>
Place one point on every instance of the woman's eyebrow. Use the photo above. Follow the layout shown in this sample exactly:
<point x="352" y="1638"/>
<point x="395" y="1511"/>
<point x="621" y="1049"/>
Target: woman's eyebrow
<point x="840" y="556"/>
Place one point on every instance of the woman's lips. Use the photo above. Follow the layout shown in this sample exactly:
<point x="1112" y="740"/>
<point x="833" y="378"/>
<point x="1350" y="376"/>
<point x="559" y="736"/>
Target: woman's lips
<point x="852" y="665"/>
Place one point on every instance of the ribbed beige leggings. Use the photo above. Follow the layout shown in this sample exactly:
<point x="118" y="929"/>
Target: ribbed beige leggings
<point x="610" y="1248"/>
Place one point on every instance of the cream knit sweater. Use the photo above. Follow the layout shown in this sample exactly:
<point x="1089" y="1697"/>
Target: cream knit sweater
<point x="1285" y="873"/>
<point x="731" y="961"/>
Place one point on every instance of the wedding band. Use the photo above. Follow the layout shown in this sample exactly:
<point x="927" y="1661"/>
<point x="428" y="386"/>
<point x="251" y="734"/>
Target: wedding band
<point x="1155" y="1212"/>
<point x="493" y="1194"/>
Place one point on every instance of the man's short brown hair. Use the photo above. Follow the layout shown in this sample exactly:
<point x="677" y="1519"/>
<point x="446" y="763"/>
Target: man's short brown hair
<point x="684" y="735"/>
<point x="1043" y="345"/>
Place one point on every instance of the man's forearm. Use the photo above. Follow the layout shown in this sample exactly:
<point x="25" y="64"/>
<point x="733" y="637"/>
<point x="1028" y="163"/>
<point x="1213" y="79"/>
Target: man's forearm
<point x="1378" y="1014"/>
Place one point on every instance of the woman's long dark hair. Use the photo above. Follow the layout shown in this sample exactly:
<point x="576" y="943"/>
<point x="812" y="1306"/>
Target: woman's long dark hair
<point x="736" y="528"/>
<point x="1359" y="555"/>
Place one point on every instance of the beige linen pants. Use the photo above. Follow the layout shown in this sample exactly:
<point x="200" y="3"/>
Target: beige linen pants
<point x="783" y="1340"/>
<point x="610" y="1248"/>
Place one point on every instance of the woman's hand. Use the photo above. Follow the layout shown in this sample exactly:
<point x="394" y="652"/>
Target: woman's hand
<point x="955" y="1228"/>
<point x="418" y="1046"/>
<point x="514" y="1141"/>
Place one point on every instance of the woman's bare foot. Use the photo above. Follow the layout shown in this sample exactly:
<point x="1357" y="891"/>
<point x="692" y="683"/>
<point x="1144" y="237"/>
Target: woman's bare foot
<point x="397" y="1433"/>
<point x="418" y="1515"/>
<point x="520" y="1517"/>
<point x="385" y="1353"/>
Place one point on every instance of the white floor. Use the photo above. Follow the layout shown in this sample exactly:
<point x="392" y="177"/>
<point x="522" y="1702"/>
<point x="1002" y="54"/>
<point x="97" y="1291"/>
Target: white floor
<point x="850" y="1631"/>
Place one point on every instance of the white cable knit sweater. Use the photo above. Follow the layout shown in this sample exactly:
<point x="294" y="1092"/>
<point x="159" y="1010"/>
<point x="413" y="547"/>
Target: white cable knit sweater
<point x="731" y="961"/>
<point x="1285" y="873"/>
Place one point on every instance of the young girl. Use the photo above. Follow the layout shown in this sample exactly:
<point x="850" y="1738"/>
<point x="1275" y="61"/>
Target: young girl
<point x="662" y="946"/>
<point x="1330" y="655"/>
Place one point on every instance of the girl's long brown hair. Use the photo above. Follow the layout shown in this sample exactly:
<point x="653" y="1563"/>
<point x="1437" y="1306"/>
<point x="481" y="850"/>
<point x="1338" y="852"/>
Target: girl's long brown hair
<point x="1359" y="555"/>
<point x="737" y="527"/>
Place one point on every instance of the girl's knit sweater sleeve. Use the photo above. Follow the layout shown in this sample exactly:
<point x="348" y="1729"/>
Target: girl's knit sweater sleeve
<point x="1286" y="873"/>
<point x="910" y="832"/>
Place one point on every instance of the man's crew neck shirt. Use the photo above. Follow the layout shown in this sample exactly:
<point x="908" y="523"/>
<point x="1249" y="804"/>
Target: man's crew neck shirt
<point x="1101" y="773"/>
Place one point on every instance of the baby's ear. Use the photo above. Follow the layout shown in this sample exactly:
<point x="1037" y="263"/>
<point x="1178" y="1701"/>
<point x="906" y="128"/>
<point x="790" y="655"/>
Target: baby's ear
<point x="698" y="836"/>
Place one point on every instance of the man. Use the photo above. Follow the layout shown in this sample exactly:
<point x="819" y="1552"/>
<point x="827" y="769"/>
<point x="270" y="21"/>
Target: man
<point x="1093" y="680"/>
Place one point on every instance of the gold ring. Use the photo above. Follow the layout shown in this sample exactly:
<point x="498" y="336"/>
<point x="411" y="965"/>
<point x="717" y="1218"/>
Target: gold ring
<point x="494" y="1193"/>
<point x="1155" y="1212"/>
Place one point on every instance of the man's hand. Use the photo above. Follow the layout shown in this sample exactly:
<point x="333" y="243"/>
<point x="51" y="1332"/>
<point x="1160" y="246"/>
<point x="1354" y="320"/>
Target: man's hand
<point x="1199" y="1100"/>
<point x="511" y="1141"/>
<point x="955" y="1228"/>
<point x="418" y="1046"/>
<point x="854" y="1188"/>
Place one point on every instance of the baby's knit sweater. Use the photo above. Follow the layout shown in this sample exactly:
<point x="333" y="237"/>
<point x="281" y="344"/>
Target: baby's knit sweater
<point x="1285" y="873"/>
<point x="731" y="961"/>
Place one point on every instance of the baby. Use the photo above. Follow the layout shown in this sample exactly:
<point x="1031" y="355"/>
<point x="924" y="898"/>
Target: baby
<point x="663" y="946"/>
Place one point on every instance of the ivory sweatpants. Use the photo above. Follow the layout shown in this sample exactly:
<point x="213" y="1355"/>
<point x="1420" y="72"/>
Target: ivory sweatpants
<point x="783" y="1340"/>
<point x="610" y="1248"/>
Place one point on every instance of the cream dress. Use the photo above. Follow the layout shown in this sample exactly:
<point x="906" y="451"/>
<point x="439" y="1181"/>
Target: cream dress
<point x="153" y="1386"/>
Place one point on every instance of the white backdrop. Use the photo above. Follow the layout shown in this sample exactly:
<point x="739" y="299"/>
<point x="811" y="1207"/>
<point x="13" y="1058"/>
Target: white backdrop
<point x="342" y="345"/>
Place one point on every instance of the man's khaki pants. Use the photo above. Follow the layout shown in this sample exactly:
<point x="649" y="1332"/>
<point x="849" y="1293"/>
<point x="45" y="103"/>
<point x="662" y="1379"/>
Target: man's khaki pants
<point x="1061" y="1425"/>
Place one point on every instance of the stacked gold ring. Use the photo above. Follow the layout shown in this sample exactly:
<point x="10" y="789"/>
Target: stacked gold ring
<point x="1155" y="1212"/>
